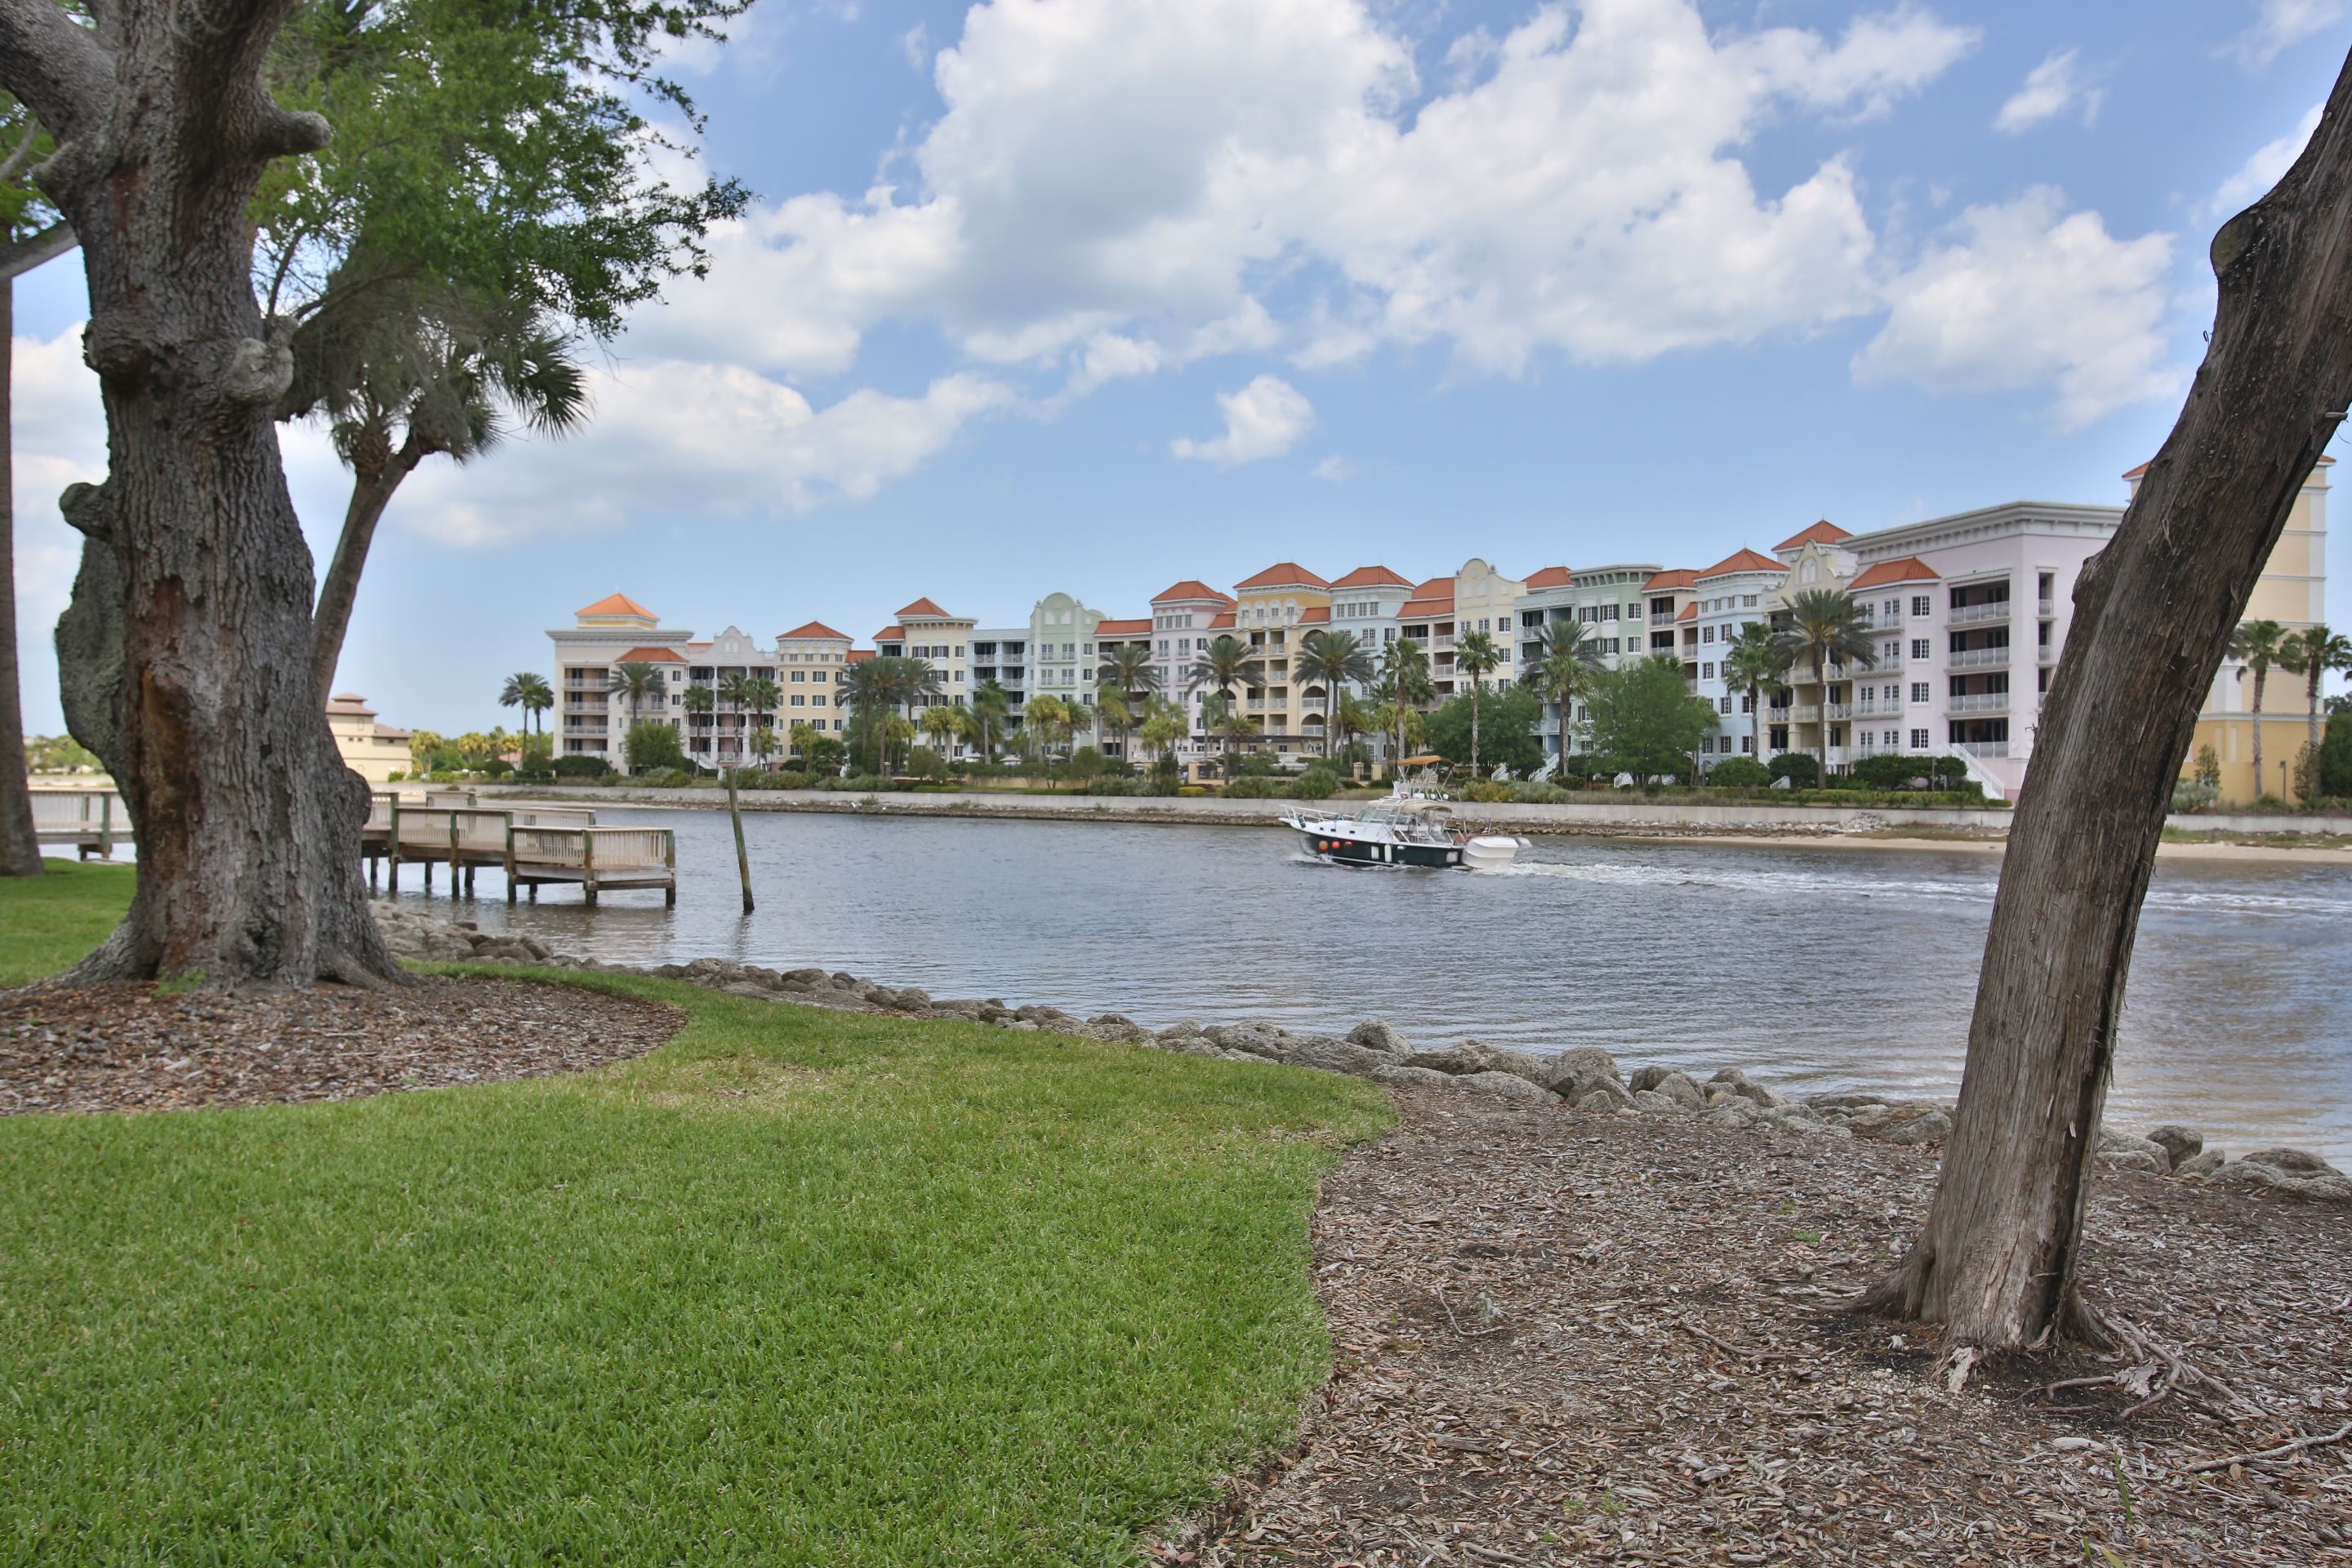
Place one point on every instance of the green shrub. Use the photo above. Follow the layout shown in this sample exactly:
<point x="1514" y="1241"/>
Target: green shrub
<point x="1798" y="768"/>
<point x="1738" y="773"/>
<point x="924" y="762"/>
<point x="653" y="746"/>
<point x="1535" y="792"/>
<point x="1191" y="790"/>
<point x="1256" y="786"/>
<point x="2194" y="794"/>
<point x="1321" y="782"/>
<point x="496" y="768"/>
<point x="1486" y="791"/>
<point x="582" y="767"/>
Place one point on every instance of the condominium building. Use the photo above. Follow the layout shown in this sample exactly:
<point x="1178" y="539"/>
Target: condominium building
<point x="1486" y="603"/>
<point x="1726" y="598"/>
<point x="1063" y="657"/>
<point x="943" y="639"/>
<point x="1272" y="609"/>
<point x="2291" y="591"/>
<point x="719" y="732"/>
<point x="1000" y="654"/>
<point x="1184" y="619"/>
<point x="375" y="751"/>
<point x="593" y="719"/>
<point x="812" y="664"/>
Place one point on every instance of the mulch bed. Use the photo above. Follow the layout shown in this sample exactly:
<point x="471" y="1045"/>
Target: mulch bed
<point x="124" y="1048"/>
<point x="1571" y="1338"/>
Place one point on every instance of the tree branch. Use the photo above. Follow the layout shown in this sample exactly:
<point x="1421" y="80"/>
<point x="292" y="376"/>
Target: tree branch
<point x="18" y="257"/>
<point x="55" y="65"/>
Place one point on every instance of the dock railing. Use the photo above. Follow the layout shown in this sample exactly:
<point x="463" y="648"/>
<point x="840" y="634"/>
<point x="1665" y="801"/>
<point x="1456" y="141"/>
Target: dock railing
<point x="88" y="819"/>
<point x="595" y="857"/>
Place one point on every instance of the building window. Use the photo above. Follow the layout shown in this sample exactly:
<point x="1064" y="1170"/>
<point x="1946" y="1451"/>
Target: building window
<point x="1918" y="739"/>
<point x="1920" y="605"/>
<point x="1707" y="672"/>
<point x="1723" y="704"/>
<point x="1918" y="648"/>
<point x="1919" y="692"/>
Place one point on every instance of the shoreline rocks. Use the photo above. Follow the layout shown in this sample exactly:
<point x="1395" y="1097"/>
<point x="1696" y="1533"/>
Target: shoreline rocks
<point x="1585" y="1078"/>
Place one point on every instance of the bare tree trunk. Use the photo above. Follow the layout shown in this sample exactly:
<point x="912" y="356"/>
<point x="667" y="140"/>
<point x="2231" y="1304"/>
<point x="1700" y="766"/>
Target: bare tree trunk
<point x="2154" y="611"/>
<point x="340" y="590"/>
<point x="187" y="648"/>
<point x="20" y="847"/>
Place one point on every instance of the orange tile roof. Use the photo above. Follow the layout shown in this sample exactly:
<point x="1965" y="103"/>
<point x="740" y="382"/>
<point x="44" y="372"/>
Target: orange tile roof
<point x="1745" y="561"/>
<point x="924" y="607"/>
<point x="1690" y="612"/>
<point x="860" y="655"/>
<point x="1314" y="614"/>
<point x="1550" y="577"/>
<point x="1680" y="577"/>
<point x="1192" y="588"/>
<point x="1427" y="608"/>
<point x="1123" y="629"/>
<point x="1909" y="569"/>
<point x="1221" y="622"/>
<point x="813" y="630"/>
<point x="651" y="655"/>
<point x="1822" y="532"/>
<point x="1283" y="574"/>
<point x="891" y="634"/>
<point x="698" y="647"/>
<point x="617" y="605"/>
<point x="350" y="705"/>
<point x="1373" y="577"/>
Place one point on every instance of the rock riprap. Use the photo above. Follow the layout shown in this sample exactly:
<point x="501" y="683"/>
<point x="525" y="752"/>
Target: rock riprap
<point x="1586" y="1077"/>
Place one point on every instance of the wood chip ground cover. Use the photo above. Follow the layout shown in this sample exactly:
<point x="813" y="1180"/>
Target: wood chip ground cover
<point x="129" y="1047"/>
<point x="1571" y="1338"/>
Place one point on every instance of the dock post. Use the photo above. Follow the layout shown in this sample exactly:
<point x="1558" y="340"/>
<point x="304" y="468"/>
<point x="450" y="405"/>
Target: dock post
<point x="743" y="859"/>
<point x="392" y="850"/>
<point x="669" y="856"/>
<point x="511" y="863"/>
<point x="105" y="825"/>
<point x="588" y="868"/>
<point x="457" y="865"/>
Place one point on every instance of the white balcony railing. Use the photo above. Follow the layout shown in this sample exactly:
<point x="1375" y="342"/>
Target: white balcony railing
<point x="1984" y="748"/>
<point x="1840" y="710"/>
<point x="1806" y="713"/>
<point x="1978" y="702"/>
<point x="1979" y="658"/>
<point x="1980" y="614"/>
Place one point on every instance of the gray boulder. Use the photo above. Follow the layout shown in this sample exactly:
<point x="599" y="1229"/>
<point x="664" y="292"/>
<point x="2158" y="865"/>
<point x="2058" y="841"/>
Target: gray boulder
<point x="1842" y="1100"/>
<point x="1650" y="1103"/>
<point x="2294" y="1162"/>
<point x="1257" y="1039"/>
<point x="2249" y="1174"/>
<point x="1729" y="1076"/>
<point x="2204" y="1162"/>
<point x="1648" y="1077"/>
<point x="1117" y="1027"/>
<point x="1931" y="1127"/>
<point x="1580" y="1069"/>
<point x="1760" y="1094"/>
<point x="1601" y="1102"/>
<point x="1181" y="1030"/>
<point x="1424" y="1075"/>
<point x="1375" y="1035"/>
<point x="1477" y="1056"/>
<point x="2122" y="1151"/>
<point x="1333" y="1056"/>
<point x="1676" y="1087"/>
<point x="1503" y="1085"/>
<point x="2178" y="1144"/>
<point x="1733" y="1111"/>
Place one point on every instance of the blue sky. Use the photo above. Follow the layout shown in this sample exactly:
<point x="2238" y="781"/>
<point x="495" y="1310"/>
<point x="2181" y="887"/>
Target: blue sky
<point x="1095" y="295"/>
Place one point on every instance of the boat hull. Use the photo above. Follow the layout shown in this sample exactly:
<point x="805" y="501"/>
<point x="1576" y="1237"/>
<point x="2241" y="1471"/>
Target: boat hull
<point x="1345" y="851"/>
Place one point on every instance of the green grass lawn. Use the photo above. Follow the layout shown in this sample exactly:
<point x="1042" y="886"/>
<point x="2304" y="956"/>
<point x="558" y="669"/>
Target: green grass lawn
<point x="47" y="923"/>
<point x="800" y="1287"/>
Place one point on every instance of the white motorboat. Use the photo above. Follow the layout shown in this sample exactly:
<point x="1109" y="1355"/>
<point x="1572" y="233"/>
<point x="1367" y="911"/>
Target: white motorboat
<point x="1400" y="833"/>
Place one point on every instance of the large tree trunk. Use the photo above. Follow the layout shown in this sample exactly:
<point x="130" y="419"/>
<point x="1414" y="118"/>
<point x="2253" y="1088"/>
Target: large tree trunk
<point x="187" y="646"/>
<point x="372" y="492"/>
<point x="20" y="848"/>
<point x="2153" y="614"/>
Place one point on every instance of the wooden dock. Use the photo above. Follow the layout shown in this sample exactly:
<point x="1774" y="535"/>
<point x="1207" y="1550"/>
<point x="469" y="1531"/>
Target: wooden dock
<point x="93" y="821"/>
<point x="534" y="845"/>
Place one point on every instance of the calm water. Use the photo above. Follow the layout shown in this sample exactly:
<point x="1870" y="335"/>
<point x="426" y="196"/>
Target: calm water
<point x="1826" y="967"/>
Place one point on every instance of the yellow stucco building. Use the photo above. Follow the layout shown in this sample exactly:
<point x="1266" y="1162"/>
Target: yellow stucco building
<point x="375" y="751"/>
<point x="2291" y="591"/>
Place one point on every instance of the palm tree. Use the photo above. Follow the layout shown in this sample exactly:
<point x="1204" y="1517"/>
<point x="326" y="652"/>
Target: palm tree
<point x="1333" y="658"/>
<point x="2257" y="646"/>
<point x="698" y="702"/>
<point x="941" y="726"/>
<point x="1476" y="656"/>
<point x="634" y="682"/>
<point x="1755" y="666"/>
<point x="1163" y="725"/>
<point x="1111" y="710"/>
<point x="802" y="736"/>
<point x="529" y="690"/>
<point x="1569" y="657"/>
<point x="1356" y="717"/>
<point x="1404" y="683"/>
<point x="990" y="704"/>
<point x="763" y="744"/>
<point x="1825" y="626"/>
<point x="1219" y="715"/>
<point x="868" y="692"/>
<point x="1079" y="719"/>
<point x="1126" y="669"/>
<point x="897" y="731"/>
<point x="1226" y="663"/>
<point x="2314" y="651"/>
<point x="1046" y="719"/>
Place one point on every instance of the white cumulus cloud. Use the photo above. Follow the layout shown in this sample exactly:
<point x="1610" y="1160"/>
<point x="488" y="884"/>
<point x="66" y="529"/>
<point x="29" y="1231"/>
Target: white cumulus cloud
<point x="1264" y="419"/>
<point x="2026" y="294"/>
<point x="2051" y="90"/>
<point x="2262" y="170"/>
<point x="2279" y="25"/>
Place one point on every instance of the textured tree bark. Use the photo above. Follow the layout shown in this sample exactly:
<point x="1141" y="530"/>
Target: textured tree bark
<point x="20" y="851"/>
<point x="1997" y="1262"/>
<point x="371" y="493"/>
<point x="192" y="612"/>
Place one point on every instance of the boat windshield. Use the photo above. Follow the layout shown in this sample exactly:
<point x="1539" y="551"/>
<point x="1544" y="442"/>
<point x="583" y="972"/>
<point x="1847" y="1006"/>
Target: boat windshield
<point x="1411" y="825"/>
